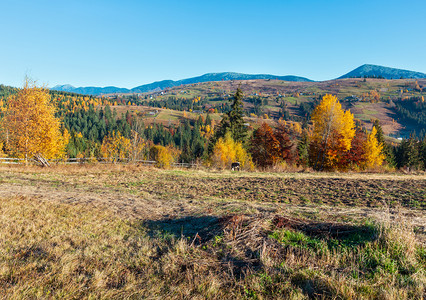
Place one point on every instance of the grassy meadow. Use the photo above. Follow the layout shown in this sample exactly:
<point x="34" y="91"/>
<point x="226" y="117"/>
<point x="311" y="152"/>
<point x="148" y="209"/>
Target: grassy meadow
<point x="115" y="231"/>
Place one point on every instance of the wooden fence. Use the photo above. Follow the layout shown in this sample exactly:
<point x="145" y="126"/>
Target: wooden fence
<point x="101" y="160"/>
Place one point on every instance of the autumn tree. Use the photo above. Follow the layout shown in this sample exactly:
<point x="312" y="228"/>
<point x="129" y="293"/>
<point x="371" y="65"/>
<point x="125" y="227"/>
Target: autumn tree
<point x="226" y="151"/>
<point x="264" y="146"/>
<point x="30" y="126"/>
<point x="386" y="149"/>
<point x="269" y="147"/>
<point x="285" y="144"/>
<point x="2" y="154"/>
<point x="373" y="151"/>
<point x="116" y="147"/>
<point x="164" y="156"/>
<point x="355" y="158"/>
<point x="333" y="131"/>
<point x="138" y="149"/>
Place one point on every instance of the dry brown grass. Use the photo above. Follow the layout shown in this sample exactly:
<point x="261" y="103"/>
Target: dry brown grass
<point x="118" y="231"/>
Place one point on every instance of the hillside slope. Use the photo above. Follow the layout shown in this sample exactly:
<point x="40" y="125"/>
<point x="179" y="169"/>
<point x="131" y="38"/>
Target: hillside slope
<point x="293" y="100"/>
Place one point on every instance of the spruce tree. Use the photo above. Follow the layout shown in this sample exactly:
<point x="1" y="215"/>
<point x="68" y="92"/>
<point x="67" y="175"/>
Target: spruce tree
<point x="302" y="149"/>
<point x="407" y="154"/>
<point x="232" y="122"/>
<point x="236" y="121"/>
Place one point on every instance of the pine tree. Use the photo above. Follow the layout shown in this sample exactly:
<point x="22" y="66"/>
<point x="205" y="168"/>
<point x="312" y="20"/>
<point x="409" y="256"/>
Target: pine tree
<point x="238" y="129"/>
<point x="423" y="153"/>
<point x="232" y="122"/>
<point x="302" y="150"/>
<point x="208" y="120"/>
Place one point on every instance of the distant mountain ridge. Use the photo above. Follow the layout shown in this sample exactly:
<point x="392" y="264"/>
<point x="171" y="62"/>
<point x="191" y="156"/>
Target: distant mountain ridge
<point x="89" y="90"/>
<point x="161" y="85"/>
<point x="380" y="71"/>
<point x="366" y="70"/>
<point x="212" y="77"/>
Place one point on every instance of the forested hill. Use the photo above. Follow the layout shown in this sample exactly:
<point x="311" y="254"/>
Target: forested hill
<point x="374" y="71"/>
<point x="160" y="85"/>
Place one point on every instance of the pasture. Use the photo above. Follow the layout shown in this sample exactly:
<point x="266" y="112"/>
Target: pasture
<point x="122" y="231"/>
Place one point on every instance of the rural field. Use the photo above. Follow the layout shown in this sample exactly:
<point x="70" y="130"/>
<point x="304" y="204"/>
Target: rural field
<point x="123" y="231"/>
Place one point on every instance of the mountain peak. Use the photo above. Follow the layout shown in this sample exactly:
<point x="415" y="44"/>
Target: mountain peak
<point x="63" y="87"/>
<point x="369" y="70"/>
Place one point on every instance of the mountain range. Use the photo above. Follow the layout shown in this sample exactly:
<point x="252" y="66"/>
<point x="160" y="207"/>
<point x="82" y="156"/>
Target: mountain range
<point x="161" y="85"/>
<point x="362" y="71"/>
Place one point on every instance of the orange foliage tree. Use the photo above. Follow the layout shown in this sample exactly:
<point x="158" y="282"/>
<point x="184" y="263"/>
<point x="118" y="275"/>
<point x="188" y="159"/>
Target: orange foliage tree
<point x="372" y="96"/>
<point x="269" y="147"/>
<point x="355" y="157"/>
<point x="2" y="154"/>
<point x="30" y="126"/>
<point x="333" y="131"/>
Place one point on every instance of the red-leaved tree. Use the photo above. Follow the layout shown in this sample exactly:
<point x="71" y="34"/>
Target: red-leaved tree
<point x="269" y="147"/>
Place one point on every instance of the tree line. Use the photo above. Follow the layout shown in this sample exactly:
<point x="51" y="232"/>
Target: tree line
<point x="35" y="121"/>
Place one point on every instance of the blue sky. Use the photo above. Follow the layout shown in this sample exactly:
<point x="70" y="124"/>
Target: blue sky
<point x="128" y="43"/>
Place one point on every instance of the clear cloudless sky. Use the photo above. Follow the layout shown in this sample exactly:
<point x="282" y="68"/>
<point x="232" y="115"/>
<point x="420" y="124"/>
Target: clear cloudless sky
<point x="127" y="43"/>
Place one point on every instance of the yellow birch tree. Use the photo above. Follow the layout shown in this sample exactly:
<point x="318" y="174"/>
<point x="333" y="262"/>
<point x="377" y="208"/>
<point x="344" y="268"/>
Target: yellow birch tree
<point x="373" y="150"/>
<point x="164" y="156"/>
<point x="116" y="147"/>
<point x="226" y="151"/>
<point x="332" y="133"/>
<point x="30" y="126"/>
